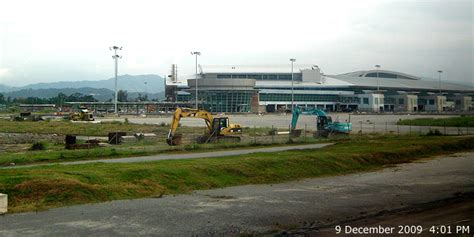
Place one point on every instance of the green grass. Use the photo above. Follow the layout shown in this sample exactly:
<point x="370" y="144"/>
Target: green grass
<point x="102" y="129"/>
<point x="53" y="186"/>
<point x="57" y="153"/>
<point x="463" y="121"/>
<point x="66" y="127"/>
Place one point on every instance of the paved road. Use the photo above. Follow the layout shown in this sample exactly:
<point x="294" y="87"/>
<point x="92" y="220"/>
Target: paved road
<point x="186" y="155"/>
<point x="256" y="208"/>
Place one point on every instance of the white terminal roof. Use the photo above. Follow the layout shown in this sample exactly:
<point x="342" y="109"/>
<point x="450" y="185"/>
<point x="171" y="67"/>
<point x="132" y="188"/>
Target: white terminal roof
<point x="352" y="79"/>
<point x="402" y="83"/>
<point x="253" y="68"/>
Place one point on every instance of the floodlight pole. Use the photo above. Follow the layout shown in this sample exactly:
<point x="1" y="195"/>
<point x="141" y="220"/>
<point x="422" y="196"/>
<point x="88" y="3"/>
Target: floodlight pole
<point x="196" y="81"/>
<point x="116" y="58"/>
<point x="439" y="80"/>
<point x="146" y="91"/>
<point x="377" y="69"/>
<point x="292" y="83"/>
<point x="378" y="87"/>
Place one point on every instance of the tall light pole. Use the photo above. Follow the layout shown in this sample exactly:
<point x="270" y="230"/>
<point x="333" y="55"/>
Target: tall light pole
<point x="116" y="58"/>
<point x="439" y="80"/>
<point x="377" y="67"/>
<point x="292" y="81"/>
<point x="196" y="81"/>
<point x="146" y="93"/>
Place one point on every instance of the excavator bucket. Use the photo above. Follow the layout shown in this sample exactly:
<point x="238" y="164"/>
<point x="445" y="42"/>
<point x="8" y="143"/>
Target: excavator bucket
<point x="295" y="133"/>
<point x="174" y="140"/>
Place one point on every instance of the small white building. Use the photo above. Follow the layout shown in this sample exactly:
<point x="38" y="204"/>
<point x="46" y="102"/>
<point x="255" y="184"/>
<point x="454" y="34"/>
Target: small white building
<point x="405" y="103"/>
<point x="433" y="103"/>
<point x="371" y="102"/>
<point x="461" y="102"/>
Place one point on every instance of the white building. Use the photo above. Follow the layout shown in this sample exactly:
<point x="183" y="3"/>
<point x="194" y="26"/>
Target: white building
<point x="371" y="102"/>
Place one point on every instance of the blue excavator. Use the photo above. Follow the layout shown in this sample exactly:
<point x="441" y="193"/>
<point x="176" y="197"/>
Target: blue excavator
<point x="324" y="124"/>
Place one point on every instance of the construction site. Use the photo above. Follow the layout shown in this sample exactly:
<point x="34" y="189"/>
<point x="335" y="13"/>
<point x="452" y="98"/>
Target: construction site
<point x="316" y="164"/>
<point x="297" y="118"/>
<point x="224" y="149"/>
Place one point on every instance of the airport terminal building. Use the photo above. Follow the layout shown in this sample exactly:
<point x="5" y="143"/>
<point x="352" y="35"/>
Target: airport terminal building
<point x="271" y="89"/>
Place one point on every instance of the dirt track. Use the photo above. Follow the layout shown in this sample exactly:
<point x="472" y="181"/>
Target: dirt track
<point x="456" y="214"/>
<point x="260" y="209"/>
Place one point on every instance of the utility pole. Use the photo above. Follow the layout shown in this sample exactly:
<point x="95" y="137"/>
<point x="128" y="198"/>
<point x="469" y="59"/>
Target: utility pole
<point x="146" y="91"/>
<point x="197" y="97"/>
<point x="116" y="57"/>
<point x="292" y="82"/>
<point x="378" y="88"/>
<point x="439" y="80"/>
<point x="377" y="67"/>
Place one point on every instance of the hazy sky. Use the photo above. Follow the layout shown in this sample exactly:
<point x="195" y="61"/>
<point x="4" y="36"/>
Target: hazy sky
<point x="44" y="41"/>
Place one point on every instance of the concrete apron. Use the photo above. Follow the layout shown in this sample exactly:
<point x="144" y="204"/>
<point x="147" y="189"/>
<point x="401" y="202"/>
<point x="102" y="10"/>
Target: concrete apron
<point x="3" y="203"/>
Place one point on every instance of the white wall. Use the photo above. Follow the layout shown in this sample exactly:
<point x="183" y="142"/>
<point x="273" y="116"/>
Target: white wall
<point x="375" y="102"/>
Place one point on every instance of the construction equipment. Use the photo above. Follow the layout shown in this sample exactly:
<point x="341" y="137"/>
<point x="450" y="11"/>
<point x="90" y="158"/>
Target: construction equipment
<point x="326" y="127"/>
<point x="218" y="128"/>
<point x="82" y="115"/>
<point x="26" y="116"/>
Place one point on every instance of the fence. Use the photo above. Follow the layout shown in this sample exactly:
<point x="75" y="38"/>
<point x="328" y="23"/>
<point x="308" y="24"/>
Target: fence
<point x="280" y="134"/>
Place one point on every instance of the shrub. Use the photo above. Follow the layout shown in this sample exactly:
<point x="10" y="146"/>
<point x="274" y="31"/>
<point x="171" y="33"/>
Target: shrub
<point x="434" y="132"/>
<point x="38" y="146"/>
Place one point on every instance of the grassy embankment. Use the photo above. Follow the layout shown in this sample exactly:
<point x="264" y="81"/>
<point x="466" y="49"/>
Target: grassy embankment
<point x="462" y="121"/>
<point x="57" y="153"/>
<point x="53" y="186"/>
<point x="86" y="129"/>
<point x="100" y="129"/>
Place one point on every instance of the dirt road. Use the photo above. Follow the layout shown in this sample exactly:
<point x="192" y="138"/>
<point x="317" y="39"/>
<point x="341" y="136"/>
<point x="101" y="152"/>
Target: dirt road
<point x="259" y="209"/>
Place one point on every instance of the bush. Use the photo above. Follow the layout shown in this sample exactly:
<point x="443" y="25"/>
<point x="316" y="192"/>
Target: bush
<point x="192" y="146"/>
<point x="126" y="121"/>
<point x="434" y="132"/>
<point x="38" y="146"/>
<point x="162" y="124"/>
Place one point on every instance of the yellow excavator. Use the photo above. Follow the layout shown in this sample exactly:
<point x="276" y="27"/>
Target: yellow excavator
<point x="82" y="115"/>
<point x="218" y="128"/>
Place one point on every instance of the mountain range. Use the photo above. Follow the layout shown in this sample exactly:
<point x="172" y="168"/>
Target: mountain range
<point x="152" y="85"/>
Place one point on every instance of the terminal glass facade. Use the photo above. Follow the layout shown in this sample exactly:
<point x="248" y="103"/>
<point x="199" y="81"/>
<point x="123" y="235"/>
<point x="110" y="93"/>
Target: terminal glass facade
<point x="276" y="97"/>
<point x="226" y="101"/>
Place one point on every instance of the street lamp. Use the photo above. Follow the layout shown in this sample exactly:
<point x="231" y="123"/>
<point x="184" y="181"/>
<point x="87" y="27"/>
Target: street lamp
<point x="292" y="81"/>
<point x="196" y="54"/>
<point x="439" y="80"/>
<point x="146" y="91"/>
<point x="116" y="57"/>
<point x="377" y="69"/>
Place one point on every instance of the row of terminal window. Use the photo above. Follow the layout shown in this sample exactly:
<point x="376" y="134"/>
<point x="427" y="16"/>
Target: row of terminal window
<point x="400" y="101"/>
<point x="284" y="77"/>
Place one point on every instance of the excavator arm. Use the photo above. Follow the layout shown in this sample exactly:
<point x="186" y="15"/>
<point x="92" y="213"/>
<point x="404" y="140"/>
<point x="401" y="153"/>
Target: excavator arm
<point x="185" y="112"/>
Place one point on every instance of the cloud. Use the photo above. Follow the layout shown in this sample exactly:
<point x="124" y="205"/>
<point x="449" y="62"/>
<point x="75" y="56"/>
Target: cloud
<point x="4" y="72"/>
<point x="50" y="38"/>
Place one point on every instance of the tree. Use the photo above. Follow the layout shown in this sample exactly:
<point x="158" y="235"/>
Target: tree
<point x="142" y="97"/>
<point x="2" y="99"/>
<point x="122" y="96"/>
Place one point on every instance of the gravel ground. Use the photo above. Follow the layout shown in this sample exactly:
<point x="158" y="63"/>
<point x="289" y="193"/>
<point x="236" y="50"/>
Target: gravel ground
<point x="257" y="209"/>
<point x="363" y="122"/>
